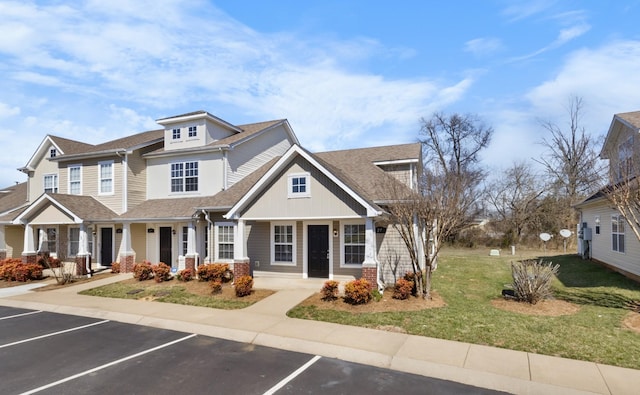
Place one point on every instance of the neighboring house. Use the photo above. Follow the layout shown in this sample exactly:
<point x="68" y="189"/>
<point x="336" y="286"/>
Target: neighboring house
<point x="203" y="190"/>
<point x="603" y="232"/>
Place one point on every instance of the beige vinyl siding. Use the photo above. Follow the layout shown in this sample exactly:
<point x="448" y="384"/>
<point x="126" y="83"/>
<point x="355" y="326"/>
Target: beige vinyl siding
<point x="14" y="239"/>
<point x="36" y="182"/>
<point x="250" y="155"/>
<point x="139" y="240"/>
<point x="392" y="255"/>
<point x="137" y="176"/>
<point x="258" y="236"/>
<point x="50" y="215"/>
<point x="327" y="199"/>
<point x="401" y="172"/>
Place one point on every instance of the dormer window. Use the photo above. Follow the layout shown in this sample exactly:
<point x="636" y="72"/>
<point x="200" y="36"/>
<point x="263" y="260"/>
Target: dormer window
<point x="299" y="185"/>
<point x="176" y="134"/>
<point x="53" y="153"/>
<point x="193" y="131"/>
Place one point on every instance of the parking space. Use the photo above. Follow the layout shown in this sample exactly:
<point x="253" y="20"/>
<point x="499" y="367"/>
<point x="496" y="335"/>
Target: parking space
<point x="43" y="352"/>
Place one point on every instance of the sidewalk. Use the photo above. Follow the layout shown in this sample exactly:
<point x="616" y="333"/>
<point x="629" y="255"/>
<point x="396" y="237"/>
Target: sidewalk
<point x="265" y="323"/>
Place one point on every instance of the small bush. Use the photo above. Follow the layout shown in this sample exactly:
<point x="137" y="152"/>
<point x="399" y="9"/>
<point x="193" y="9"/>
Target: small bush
<point x="413" y="278"/>
<point x="215" y="271"/>
<point x="403" y="289"/>
<point x="185" y="275"/>
<point x="357" y="291"/>
<point x="329" y="290"/>
<point x="532" y="279"/>
<point x="15" y="270"/>
<point x="243" y="286"/>
<point x="142" y="271"/>
<point x="216" y="286"/>
<point x="376" y="294"/>
<point x="161" y="272"/>
<point x="115" y="267"/>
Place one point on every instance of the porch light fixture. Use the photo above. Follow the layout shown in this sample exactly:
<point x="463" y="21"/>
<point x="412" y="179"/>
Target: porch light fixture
<point x="173" y="232"/>
<point x="335" y="233"/>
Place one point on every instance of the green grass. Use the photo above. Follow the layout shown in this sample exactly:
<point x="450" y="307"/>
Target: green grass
<point x="172" y="294"/>
<point x="469" y="280"/>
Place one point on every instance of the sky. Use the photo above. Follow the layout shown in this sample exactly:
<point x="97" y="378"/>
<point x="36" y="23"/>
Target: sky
<point x="346" y="74"/>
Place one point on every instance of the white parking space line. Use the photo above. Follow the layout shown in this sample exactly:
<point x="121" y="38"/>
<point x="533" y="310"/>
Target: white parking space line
<point x="292" y="375"/>
<point x="86" y="372"/>
<point x="53" y="334"/>
<point x="20" y="315"/>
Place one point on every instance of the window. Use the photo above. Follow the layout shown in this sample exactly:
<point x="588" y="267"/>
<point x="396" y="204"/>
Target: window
<point x="224" y="241"/>
<point x="184" y="177"/>
<point x="185" y="239"/>
<point x="299" y="185"/>
<point x="50" y="240"/>
<point x="105" y="177"/>
<point x="175" y="133"/>
<point x="283" y="242"/>
<point x="597" y="221"/>
<point x="617" y="233"/>
<point x="625" y="159"/>
<point x="74" y="241"/>
<point x="51" y="183"/>
<point x="193" y="131"/>
<point x="75" y="180"/>
<point x="53" y="152"/>
<point x="354" y="244"/>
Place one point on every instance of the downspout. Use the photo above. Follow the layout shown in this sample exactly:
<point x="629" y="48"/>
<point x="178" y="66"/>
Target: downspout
<point x="225" y="165"/>
<point x="209" y="233"/>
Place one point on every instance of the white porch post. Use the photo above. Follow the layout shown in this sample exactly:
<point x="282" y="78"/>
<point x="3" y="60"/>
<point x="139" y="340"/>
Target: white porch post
<point x="127" y="254"/>
<point x="83" y="241"/>
<point x="239" y="247"/>
<point x="3" y="244"/>
<point x="29" y="241"/>
<point x="44" y="239"/>
<point x="191" y="258"/>
<point x="370" y="256"/>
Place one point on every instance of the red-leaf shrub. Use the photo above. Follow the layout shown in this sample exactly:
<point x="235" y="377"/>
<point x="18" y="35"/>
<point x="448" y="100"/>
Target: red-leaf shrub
<point x="185" y="275"/>
<point x="411" y="277"/>
<point x="403" y="289"/>
<point x="142" y="271"/>
<point x="115" y="267"/>
<point x="216" y="286"/>
<point x="14" y="270"/>
<point x="161" y="272"/>
<point x="215" y="271"/>
<point x="329" y="290"/>
<point x="243" y="286"/>
<point x="357" y="291"/>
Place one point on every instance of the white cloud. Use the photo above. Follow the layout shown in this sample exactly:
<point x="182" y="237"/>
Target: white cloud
<point x="8" y="111"/>
<point x="483" y="46"/>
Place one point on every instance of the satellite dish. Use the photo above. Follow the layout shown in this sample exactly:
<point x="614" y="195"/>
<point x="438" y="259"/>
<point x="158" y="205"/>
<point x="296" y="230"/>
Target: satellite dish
<point x="565" y="233"/>
<point x="545" y="236"/>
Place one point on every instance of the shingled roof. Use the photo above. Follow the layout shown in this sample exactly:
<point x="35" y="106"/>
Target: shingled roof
<point x="632" y="118"/>
<point x="73" y="148"/>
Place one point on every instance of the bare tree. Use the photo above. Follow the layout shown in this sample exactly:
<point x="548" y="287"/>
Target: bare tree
<point x="447" y="194"/>
<point x="515" y="198"/>
<point x="624" y="193"/>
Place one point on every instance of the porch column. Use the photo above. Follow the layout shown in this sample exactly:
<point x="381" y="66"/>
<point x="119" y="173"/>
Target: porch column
<point x="241" y="263"/>
<point x="3" y="244"/>
<point x="83" y="257"/>
<point x="370" y="264"/>
<point x="29" y="253"/>
<point x="127" y="254"/>
<point x="191" y="258"/>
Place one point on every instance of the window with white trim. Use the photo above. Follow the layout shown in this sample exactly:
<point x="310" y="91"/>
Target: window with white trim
<point x="224" y="240"/>
<point x="185" y="240"/>
<point x="74" y="241"/>
<point x="617" y="233"/>
<point x="184" y="177"/>
<point x="105" y="178"/>
<point x="283" y="243"/>
<point x="75" y="180"/>
<point x="53" y="152"/>
<point x="175" y="134"/>
<point x="193" y="131"/>
<point x="50" y="183"/>
<point x="51" y="242"/>
<point x="298" y="185"/>
<point x="353" y="238"/>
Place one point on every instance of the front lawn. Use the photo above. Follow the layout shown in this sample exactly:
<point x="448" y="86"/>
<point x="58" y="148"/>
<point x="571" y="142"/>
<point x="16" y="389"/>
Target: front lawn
<point x="468" y="281"/>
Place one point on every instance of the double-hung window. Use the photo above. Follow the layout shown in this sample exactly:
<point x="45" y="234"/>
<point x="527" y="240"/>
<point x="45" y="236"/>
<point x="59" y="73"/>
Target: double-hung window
<point x="75" y="180"/>
<point x="105" y="178"/>
<point x="184" y="177"/>
<point x="353" y="243"/>
<point x="185" y="240"/>
<point x="299" y="185"/>
<point x="224" y="241"/>
<point x="74" y="241"/>
<point x="283" y="242"/>
<point x="51" y="183"/>
<point x="617" y="233"/>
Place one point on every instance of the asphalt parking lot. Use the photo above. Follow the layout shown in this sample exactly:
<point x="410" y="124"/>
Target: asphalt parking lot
<point x="49" y="353"/>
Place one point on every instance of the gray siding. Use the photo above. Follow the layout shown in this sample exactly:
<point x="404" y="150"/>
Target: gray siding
<point x="258" y="236"/>
<point x="392" y="255"/>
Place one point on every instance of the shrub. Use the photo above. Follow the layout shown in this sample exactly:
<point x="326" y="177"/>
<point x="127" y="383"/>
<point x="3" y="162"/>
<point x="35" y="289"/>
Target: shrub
<point x="243" y="286"/>
<point x="532" y="279"/>
<point x="216" y="286"/>
<point x="357" y="291"/>
<point x="215" y="271"/>
<point x="15" y="270"/>
<point x="412" y="277"/>
<point x="403" y="289"/>
<point x="161" y="272"/>
<point x="376" y="294"/>
<point x="115" y="267"/>
<point x="185" y="275"/>
<point x="329" y="290"/>
<point x="142" y="271"/>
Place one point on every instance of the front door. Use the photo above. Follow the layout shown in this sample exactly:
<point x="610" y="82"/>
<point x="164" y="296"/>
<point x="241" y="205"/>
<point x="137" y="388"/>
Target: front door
<point x="318" y="250"/>
<point x="165" y="245"/>
<point x="106" y="246"/>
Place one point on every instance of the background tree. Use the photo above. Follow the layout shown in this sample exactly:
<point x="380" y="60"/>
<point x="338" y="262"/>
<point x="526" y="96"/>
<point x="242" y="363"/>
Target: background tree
<point x="448" y="191"/>
<point x="571" y="162"/>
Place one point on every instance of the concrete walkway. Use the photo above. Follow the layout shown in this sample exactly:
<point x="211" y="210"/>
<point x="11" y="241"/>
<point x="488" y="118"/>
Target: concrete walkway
<point x="265" y="323"/>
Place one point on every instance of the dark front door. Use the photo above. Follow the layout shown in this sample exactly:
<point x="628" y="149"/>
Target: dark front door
<point x="106" y="246"/>
<point x="318" y="250"/>
<point x="165" y="245"/>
